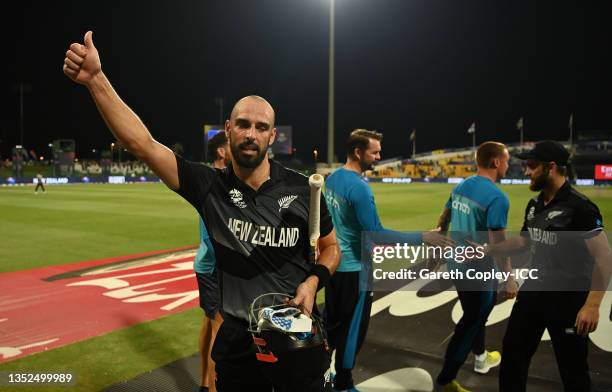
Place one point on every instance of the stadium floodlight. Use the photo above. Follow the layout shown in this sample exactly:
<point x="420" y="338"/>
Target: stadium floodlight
<point x="22" y="89"/>
<point x="330" y="89"/>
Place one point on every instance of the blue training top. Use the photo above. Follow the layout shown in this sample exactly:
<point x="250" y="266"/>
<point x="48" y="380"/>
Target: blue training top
<point x="204" y="261"/>
<point x="350" y="202"/>
<point x="477" y="205"/>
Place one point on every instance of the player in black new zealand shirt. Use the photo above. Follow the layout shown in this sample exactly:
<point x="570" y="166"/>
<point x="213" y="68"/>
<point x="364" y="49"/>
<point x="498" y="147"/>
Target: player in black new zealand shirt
<point x="563" y="230"/>
<point x="256" y="213"/>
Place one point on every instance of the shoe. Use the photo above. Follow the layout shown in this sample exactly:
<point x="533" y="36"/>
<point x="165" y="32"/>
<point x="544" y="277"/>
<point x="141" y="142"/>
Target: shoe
<point x="351" y="389"/>
<point x="491" y="360"/>
<point x="452" y="386"/>
<point x="332" y="377"/>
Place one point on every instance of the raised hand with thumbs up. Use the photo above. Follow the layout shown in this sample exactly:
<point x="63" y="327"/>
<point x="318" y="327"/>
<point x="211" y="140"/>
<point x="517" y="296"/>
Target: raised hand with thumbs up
<point x="82" y="62"/>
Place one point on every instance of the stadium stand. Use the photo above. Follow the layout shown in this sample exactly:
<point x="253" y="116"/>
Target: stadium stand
<point x="437" y="164"/>
<point x="459" y="162"/>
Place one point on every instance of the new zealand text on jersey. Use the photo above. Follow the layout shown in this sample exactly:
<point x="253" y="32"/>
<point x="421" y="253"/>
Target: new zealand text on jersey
<point x="543" y="236"/>
<point x="279" y="237"/>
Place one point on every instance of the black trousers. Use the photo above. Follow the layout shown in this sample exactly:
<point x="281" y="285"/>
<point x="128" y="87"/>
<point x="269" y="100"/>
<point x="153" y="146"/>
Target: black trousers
<point x="347" y="315"/>
<point x="469" y="333"/>
<point x="239" y="370"/>
<point x="532" y="313"/>
<point x="40" y="184"/>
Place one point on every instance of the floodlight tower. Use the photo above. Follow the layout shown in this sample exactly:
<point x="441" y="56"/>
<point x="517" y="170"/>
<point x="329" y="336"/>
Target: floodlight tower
<point x="330" y="89"/>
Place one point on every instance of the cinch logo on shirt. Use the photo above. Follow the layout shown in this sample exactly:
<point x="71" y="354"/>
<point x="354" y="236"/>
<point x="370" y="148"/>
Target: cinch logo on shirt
<point x="278" y="237"/>
<point x="461" y="207"/>
<point x="284" y="202"/>
<point x="543" y="236"/>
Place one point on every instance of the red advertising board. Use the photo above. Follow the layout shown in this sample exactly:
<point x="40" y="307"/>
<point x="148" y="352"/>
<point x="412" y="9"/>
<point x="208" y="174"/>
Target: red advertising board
<point x="603" y="172"/>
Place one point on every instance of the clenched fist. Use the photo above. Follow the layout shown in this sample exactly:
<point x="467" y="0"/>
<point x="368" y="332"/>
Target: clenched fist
<point x="82" y="62"/>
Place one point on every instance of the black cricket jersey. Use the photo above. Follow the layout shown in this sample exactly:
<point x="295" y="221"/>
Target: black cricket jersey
<point x="557" y="232"/>
<point x="260" y="238"/>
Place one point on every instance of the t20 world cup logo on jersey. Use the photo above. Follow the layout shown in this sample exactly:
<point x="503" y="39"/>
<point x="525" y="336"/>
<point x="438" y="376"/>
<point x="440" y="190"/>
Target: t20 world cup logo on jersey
<point x="237" y="198"/>
<point x="531" y="213"/>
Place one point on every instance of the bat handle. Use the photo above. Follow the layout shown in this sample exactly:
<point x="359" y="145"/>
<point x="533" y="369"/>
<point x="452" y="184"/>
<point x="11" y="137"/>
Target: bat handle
<point x="313" y="250"/>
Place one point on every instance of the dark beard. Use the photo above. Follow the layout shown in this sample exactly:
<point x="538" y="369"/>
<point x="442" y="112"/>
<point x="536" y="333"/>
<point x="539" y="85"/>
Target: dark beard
<point x="365" y="167"/>
<point x="539" y="182"/>
<point x="248" y="162"/>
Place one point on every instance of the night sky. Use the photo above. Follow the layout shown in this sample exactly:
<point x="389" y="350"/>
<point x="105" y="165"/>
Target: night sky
<point x="436" y="66"/>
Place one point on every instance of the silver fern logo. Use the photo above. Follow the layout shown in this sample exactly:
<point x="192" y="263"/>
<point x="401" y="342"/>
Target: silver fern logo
<point x="284" y="202"/>
<point x="553" y="214"/>
<point x="236" y="198"/>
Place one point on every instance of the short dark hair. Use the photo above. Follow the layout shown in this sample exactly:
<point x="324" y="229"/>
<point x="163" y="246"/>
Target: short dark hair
<point x="219" y="140"/>
<point x="488" y="151"/>
<point x="360" y="138"/>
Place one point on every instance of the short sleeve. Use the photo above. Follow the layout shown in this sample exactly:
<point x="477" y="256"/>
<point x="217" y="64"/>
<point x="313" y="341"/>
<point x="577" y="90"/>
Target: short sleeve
<point x="497" y="213"/>
<point x="530" y="205"/>
<point x="587" y="219"/>
<point x="195" y="180"/>
<point x="449" y="202"/>
<point x="362" y="199"/>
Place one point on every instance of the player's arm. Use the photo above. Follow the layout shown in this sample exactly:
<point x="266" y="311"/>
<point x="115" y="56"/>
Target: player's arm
<point x="82" y="65"/>
<point x="367" y="215"/>
<point x="321" y="272"/>
<point x="329" y="255"/>
<point x="504" y="264"/>
<point x="588" y="316"/>
<point x="329" y="258"/>
<point x="433" y="264"/>
<point x="512" y="246"/>
<point x="508" y="247"/>
<point x="497" y="221"/>
<point x="444" y="220"/>
<point x="437" y="237"/>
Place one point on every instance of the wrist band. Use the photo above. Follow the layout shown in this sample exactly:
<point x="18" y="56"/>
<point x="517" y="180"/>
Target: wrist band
<point x="321" y="272"/>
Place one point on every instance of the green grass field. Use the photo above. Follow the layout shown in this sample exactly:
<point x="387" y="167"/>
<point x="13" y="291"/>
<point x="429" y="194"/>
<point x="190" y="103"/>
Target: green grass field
<point x="83" y="222"/>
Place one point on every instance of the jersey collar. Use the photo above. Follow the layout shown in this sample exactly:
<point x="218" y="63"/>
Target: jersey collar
<point x="562" y="194"/>
<point x="277" y="174"/>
